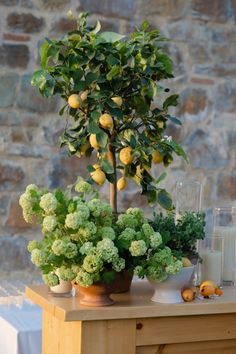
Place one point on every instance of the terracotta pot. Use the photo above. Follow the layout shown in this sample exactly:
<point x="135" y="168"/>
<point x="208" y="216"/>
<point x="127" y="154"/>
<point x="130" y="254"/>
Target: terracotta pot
<point x="94" y="295"/>
<point x="122" y="282"/>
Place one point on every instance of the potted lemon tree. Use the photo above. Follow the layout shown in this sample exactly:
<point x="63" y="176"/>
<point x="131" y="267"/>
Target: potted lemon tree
<point x="108" y="83"/>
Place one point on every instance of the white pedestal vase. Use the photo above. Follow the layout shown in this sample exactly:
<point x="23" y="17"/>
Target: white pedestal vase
<point x="169" y="290"/>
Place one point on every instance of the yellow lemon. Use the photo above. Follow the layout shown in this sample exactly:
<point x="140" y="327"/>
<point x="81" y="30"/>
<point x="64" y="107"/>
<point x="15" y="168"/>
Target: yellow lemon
<point x="208" y="283"/>
<point x="118" y="100"/>
<point x="187" y="295"/>
<point x="121" y="183"/>
<point x="157" y="157"/>
<point x="126" y="155"/>
<point x="106" y="121"/>
<point x="98" y="176"/>
<point x="93" y="141"/>
<point x="74" y="101"/>
<point x="84" y="95"/>
<point x="186" y="262"/>
<point x="96" y="166"/>
<point x="84" y="148"/>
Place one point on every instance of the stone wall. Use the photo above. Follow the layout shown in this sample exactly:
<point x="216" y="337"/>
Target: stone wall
<point x="203" y="48"/>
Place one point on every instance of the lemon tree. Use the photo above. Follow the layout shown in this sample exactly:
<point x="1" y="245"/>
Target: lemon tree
<point x="108" y="83"/>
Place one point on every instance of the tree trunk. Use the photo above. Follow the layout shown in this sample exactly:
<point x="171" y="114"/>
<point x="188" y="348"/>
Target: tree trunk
<point x="113" y="186"/>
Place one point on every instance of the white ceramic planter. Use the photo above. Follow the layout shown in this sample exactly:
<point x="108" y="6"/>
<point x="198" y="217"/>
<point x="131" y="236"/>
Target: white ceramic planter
<point x="169" y="291"/>
<point x="63" y="287"/>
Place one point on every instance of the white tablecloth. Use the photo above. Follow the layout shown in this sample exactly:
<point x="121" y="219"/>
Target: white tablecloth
<point x="20" y="326"/>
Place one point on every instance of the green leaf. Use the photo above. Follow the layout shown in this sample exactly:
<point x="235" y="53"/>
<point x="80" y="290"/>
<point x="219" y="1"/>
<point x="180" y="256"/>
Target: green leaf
<point x="43" y="51"/>
<point x="97" y="28"/>
<point x="161" y="177"/>
<point x="144" y="25"/>
<point x="177" y="148"/>
<point x="90" y="77"/>
<point x="113" y="72"/>
<point x="102" y="138"/>
<point x="110" y="178"/>
<point x="170" y="101"/>
<point x="174" y="120"/>
<point x="39" y="78"/>
<point x="164" y="199"/>
<point x="90" y="168"/>
<point x="111" y="37"/>
<point x="93" y="127"/>
<point x="106" y="166"/>
<point x="112" y="60"/>
<point x="133" y="142"/>
<point x="109" y="276"/>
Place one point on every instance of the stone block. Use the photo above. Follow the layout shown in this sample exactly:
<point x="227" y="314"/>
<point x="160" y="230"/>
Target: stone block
<point x="226" y="186"/>
<point x="206" y="151"/>
<point x="55" y="5"/>
<point x="8" y="84"/>
<point x="194" y="104"/>
<point x="30" y="99"/>
<point x="11" y="176"/>
<point x="225" y="97"/>
<point x="216" y="10"/>
<point x="24" y="23"/>
<point x="216" y="70"/>
<point x="14" y="55"/>
<point x="224" y="44"/>
<point x="63" y="25"/>
<point x="16" y="37"/>
<point x="4" y="203"/>
<point x="169" y="8"/>
<point x="9" y="2"/>
<point x="120" y="9"/>
<point x="14" y="254"/>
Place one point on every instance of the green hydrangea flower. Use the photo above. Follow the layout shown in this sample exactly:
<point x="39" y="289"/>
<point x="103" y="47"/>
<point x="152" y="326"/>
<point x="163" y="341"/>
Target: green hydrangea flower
<point x="127" y="221"/>
<point x="174" y="267"/>
<point x="106" y="232"/>
<point x="49" y="223"/>
<point x="51" y="279"/>
<point x="37" y="257"/>
<point x="155" y="240"/>
<point x="31" y="187"/>
<point x="83" y="187"/>
<point x="138" y="214"/>
<point x="107" y="250"/>
<point x="147" y="230"/>
<point x="87" y="248"/>
<point x="118" y="264"/>
<point x="83" y="211"/>
<point x="67" y="274"/>
<point x="126" y="237"/>
<point x="32" y="245"/>
<point x="65" y="248"/>
<point x="139" y="271"/>
<point x="48" y="203"/>
<point x="73" y="221"/>
<point x="84" y="279"/>
<point x="87" y="230"/>
<point x="92" y="263"/>
<point x="138" y="248"/>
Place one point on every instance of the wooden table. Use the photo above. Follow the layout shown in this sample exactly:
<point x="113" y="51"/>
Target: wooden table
<point x="135" y="325"/>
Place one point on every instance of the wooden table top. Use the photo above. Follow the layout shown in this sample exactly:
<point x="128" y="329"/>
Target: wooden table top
<point x="135" y="304"/>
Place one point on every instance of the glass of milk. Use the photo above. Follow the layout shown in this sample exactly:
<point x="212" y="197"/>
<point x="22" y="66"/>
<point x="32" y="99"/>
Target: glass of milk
<point x="224" y="225"/>
<point x="210" y="266"/>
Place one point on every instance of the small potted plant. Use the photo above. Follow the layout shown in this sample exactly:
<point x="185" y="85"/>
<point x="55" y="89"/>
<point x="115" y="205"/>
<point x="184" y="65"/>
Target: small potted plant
<point x="181" y="234"/>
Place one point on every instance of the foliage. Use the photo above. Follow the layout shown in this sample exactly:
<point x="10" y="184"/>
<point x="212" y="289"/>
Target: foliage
<point x="181" y="235"/>
<point x="83" y="242"/>
<point x="100" y="67"/>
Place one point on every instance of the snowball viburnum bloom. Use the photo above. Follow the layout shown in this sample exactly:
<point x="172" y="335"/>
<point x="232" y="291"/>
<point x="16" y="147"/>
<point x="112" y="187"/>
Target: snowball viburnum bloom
<point x="48" y="202"/>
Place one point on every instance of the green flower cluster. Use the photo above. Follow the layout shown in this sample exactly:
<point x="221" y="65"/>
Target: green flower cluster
<point x="84" y="243"/>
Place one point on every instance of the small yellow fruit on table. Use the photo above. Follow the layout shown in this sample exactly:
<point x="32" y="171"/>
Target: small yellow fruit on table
<point x="93" y="141"/>
<point x="188" y="294"/>
<point x="118" y="100"/>
<point x="106" y="121"/>
<point x="186" y="262"/>
<point x="157" y="157"/>
<point x="74" y="101"/>
<point x="121" y="183"/>
<point x="126" y="155"/>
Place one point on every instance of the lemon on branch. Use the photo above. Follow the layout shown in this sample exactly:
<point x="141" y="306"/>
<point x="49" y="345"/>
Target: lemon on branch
<point x="126" y="155"/>
<point x="121" y="183"/>
<point x="157" y="157"/>
<point x="84" y="95"/>
<point x="84" y="148"/>
<point x="106" y="121"/>
<point x="74" y="101"/>
<point x="93" y="141"/>
<point x="98" y="175"/>
<point x="118" y="100"/>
